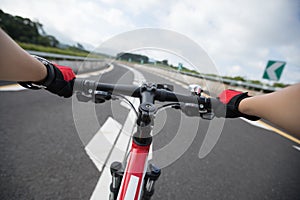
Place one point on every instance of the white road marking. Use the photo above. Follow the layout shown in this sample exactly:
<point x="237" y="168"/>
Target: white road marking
<point x="134" y="101"/>
<point x="255" y="123"/>
<point x="121" y="148"/>
<point x="12" y="87"/>
<point x="100" y="145"/>
<point x="102" y="190"/>
<point x="126" y="105"/>
<point x="296" y="147"/>
<point x="118" y="153"/>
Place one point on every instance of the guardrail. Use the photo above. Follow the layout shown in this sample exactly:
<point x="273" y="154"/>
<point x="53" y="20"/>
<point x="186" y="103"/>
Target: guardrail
<point x="75" y="62"/>
<point x="247" y="85"/>
<point x="250" y="86"/>
<point x="60" y="56"/>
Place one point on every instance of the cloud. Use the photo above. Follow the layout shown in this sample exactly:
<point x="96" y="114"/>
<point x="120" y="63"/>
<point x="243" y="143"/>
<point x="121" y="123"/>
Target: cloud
<point x="244" y="33"/>
<point x="234" y="33"/>
<point x="80" y="21"/>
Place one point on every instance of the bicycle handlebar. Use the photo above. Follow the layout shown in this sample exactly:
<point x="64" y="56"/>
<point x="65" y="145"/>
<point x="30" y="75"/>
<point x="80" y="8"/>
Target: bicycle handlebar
<point x="191" y="105"/>
<point x="88" y="87"/>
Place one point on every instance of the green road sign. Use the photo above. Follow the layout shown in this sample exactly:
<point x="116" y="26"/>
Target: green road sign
<point x="180" y="66"/>
<point x="274" y="70"/>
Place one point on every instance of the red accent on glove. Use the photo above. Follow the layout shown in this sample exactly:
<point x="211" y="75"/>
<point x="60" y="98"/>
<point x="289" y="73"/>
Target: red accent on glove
<point x="66" y="71"/>
<point x="227" y="95"/>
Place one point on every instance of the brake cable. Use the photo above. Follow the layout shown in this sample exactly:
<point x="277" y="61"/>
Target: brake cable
<point x="127" y="101"/>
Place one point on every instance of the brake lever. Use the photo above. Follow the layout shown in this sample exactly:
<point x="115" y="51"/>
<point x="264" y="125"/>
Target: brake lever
<point x="82" y="97"/>
<point x="98" y="97"/>
<point x="101" y="96"/>
<point x="190" y="109"/>
<point x="208" y="116"/>
<point x="165" y="86"/>
<point x="193" y="110"/>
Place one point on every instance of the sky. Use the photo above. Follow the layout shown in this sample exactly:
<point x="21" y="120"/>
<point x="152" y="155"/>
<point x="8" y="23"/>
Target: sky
<point x="239" y="35"/>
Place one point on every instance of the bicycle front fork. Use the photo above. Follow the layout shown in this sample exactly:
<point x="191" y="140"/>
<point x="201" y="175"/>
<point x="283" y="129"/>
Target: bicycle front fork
<point x="151" y="176"/>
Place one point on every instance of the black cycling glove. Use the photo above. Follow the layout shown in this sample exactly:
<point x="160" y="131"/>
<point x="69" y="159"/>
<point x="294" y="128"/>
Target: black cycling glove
<point x="59" y="80"/>
<point x="228" y="104"/>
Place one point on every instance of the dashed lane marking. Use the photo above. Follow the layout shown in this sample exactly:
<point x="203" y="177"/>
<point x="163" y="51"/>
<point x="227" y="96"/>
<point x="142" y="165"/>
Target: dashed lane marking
<point x="99" y="146"/>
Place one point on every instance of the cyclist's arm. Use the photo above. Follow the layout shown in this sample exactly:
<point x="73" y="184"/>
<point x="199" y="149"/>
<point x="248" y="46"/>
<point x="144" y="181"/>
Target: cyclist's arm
<point x="16" y="64"/>
<point x="281" y="108"/>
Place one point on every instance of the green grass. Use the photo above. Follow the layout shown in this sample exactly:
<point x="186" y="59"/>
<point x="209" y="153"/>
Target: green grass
<point x="35" y="47"/>
<point x="71" y="52"/>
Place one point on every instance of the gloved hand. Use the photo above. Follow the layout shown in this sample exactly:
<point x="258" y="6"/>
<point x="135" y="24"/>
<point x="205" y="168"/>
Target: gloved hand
<point x="59" y="80"/>
<point x="228" y="105"/>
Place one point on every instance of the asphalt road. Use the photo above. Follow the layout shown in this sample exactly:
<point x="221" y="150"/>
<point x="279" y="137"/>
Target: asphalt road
<point x="42" y="157"/>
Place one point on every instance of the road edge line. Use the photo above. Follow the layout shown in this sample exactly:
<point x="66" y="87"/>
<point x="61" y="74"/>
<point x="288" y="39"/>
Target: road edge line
<point x="283" y="134"/>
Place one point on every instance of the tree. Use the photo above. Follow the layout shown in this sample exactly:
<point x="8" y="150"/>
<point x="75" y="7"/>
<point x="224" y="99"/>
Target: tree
<point x="165" y="62"/>
<point x="79" y="46"/>
<point x="24" y="30"/>
<point x="281" y="85"/>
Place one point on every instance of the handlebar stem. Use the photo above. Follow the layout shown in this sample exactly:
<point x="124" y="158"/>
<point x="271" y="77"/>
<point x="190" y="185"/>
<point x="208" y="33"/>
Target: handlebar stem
<point x="146" y="114"/>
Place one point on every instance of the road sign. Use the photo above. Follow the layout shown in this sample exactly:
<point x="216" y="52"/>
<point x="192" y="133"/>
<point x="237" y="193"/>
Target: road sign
<point x="274" y="70"/>
<point x="180" y="66"/>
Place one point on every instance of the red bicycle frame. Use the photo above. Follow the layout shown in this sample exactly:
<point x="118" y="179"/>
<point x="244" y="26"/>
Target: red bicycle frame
<point x="133" y="180"/>
<point x="133" y="185"/>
